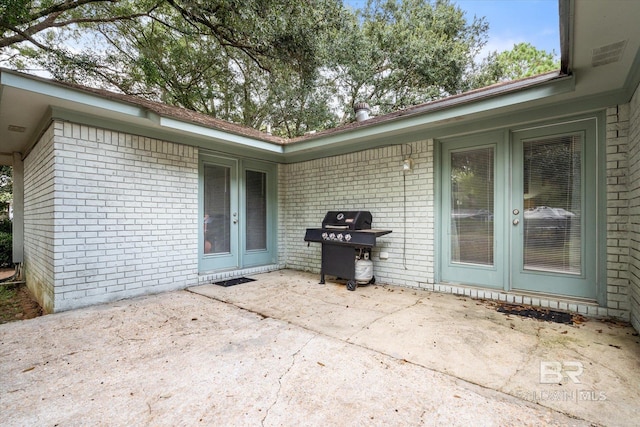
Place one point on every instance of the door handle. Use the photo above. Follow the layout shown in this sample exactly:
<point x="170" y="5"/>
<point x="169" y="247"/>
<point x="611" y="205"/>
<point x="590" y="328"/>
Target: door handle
<point x="235" y="217"/>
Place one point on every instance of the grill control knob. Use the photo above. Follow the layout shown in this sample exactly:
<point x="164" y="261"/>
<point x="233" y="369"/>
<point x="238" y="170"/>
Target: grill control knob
<point x="332" y="236"/>
<point x="347" y="237"/>
<point x="340" y="237"/>
<point x="325" y="236"/>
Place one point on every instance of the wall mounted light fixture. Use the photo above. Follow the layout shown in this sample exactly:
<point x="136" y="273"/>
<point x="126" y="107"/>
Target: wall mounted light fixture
<point x="407" y="163"/>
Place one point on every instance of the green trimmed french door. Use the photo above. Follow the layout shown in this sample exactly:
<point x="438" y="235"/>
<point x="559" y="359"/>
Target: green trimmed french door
<point x="473" y="192"/>
<point x="553" y="211"/>
<point x="519" y="210"/>
<point x="238" y="209"/>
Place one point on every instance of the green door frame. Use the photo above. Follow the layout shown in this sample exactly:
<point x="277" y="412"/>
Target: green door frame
<point x="255" y="257"/>
<point x="491" y="276"/>
<point x="584" y="283"/>
<point x="239" y="257"/>
<point x="504" y="277"/>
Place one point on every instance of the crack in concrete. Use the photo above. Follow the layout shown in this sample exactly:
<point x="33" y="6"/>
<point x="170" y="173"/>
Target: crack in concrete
<point x="530" y="354"/>
<point x="293" y="361"/>
<point x="475" y="386"/>
<point x="249" y="310"/>
<point x="418" y="301"/>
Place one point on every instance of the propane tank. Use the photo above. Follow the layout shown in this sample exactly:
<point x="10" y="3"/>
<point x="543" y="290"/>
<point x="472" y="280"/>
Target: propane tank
<point x="364" y="269"/>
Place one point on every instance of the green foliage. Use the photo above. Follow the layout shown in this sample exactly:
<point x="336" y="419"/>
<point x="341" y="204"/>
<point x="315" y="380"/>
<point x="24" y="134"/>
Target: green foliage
<point x="249" y="62"/>
<point x="6" y="249"/>
<point x="6" y="187"/>
<point x="6" y="226"/>
<point x="295" y="65"/>
<point x="524" y="60"/>
<point x="13" y="12"/>
<point x="40" y="22"/>
<point x="399" y="53"/>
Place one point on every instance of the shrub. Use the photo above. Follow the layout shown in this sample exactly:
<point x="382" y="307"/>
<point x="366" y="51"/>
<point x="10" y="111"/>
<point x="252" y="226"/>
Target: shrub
<point x="5" y="226"/>
<point x="6" y="247"/>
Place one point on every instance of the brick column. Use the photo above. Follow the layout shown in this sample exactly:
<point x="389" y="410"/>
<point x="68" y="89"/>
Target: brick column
<point x="618" y="211"/>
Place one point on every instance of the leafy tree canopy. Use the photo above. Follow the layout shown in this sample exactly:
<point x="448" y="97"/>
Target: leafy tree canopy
<point x="524" y="60"/>
<point x="6" y="186"/>
<point x="402" y="53"/>
<point x="293" y="65"/>
<point x="27" y="20"/>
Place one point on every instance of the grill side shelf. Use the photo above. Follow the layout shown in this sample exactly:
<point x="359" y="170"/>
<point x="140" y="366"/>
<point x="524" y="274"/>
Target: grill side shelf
<point x="354" y="238"/>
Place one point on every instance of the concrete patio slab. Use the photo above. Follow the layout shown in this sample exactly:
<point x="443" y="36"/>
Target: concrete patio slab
<point x="284" y="350"/>
<point x="589" y="370"/>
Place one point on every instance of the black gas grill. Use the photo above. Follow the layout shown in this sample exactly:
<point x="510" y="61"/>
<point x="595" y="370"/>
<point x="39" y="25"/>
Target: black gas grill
<point x="346" y="237"/>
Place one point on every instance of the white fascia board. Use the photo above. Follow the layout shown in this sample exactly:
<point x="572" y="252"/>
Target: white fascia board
<point x="53" y="90"/>
<point x="440" y="113"/>
<point x="218" y="135"/>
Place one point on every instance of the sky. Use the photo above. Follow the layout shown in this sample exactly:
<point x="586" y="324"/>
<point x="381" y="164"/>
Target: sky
<point x="511" y="22"/>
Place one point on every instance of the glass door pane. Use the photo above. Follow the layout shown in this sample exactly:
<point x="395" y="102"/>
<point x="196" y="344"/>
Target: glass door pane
<point x="473" y="185"/>
<point x="553" y="212"/>
<point x="256" y="210"/>
<point x="238" y="204"/>
<point x="552" y="203"/>
<point x="472" y="202"/>
<point x="217" y="209"/>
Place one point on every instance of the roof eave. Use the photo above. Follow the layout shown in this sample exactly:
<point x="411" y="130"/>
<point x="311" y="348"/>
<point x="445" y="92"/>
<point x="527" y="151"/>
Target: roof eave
<point x="460" y="108"/>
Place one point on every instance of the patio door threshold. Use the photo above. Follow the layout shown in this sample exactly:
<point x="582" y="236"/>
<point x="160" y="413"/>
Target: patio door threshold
<point x="214" y="276"/>
<point x="582" y="306"/>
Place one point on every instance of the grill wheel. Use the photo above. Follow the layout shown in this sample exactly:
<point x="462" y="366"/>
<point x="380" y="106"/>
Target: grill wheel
<point x="352" y="284"/>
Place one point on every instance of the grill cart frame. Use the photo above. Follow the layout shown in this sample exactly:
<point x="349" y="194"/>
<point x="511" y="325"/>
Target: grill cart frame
<point x="344" y="235"/>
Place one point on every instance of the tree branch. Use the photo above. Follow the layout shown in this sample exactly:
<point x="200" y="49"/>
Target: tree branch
<point x="64" y="7"/>
<point x="52" y="13"/>
<point x="217" y="32"/>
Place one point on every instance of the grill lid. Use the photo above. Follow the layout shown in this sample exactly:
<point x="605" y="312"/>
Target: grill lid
<point x="347" y="220"/>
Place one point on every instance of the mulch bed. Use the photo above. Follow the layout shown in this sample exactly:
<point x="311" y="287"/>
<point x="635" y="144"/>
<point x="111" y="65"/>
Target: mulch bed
<point x="541" y="314"/>
<point x="16" y="303"/>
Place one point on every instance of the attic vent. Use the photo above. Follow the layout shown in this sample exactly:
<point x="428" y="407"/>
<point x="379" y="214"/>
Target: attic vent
<point x="608" y="54"/>
<point x="14" y="128"/>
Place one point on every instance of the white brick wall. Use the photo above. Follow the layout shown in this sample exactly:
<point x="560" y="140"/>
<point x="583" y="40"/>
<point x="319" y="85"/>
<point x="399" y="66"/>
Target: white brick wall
<point x="617" y="129"/>
<point x="39" y="221"/>
<point x="120" y="198"/>
<point x="372" y="180"/>
<point x="634" y="208"/>
<point x="368" y="180"/>
<point x="125" y="215"/>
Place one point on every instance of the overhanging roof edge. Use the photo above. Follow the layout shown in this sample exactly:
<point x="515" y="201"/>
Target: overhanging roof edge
<point x="51" y="88"/>
<point x="443" y="111"/>
<point x="180" y="125"/>
<point x="87" y="97"/>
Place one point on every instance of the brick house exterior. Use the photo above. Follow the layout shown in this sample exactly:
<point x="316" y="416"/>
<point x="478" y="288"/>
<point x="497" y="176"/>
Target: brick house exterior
<point x="104" y="209"/>
<point x="113" y="187"/>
